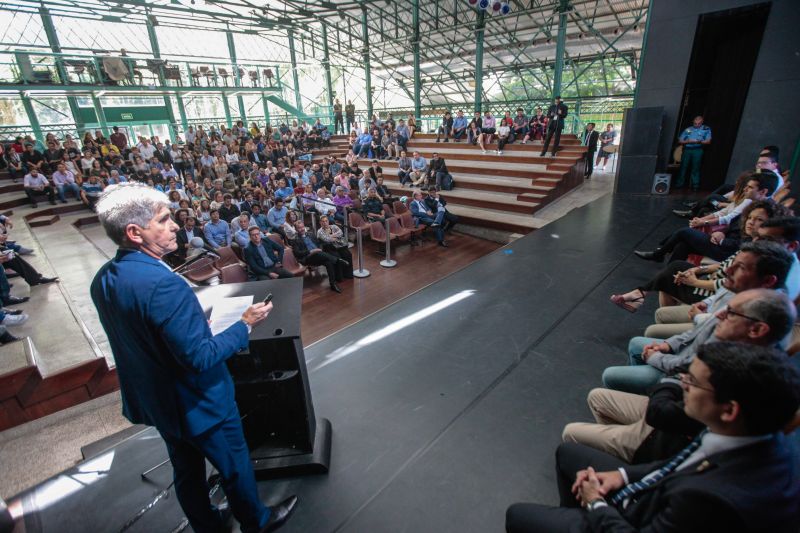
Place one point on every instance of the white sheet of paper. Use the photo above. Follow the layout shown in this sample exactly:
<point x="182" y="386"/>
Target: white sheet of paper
<point x="227" y="311"/>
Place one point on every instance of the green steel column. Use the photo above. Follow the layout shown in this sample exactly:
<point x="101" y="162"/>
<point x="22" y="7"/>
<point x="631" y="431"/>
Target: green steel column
<point x="101" y="115"/>
<point x="182" y="111"/>
<point x="415" y="42"/>
<point x="365" y="51"/>
<point x="227" y="108"/>
<point x="295" y="78"/>
<point x="479" y="26"/>
<point x="265" y="103"/>
<point x="32" y="118"/>
<point x="326" y="63"/>
<point x="561" y="42"/>
<point x="156" y="49"/>
<point x="55" y="46"/>
<point x="232" y="53"/>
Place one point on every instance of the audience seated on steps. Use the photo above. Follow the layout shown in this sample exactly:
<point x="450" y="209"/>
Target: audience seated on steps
<point x="762" y="265"/>
<point x="12" y="260"/>
<point x="404" y="168"/>
<point x="6" y="225"/>
<point x="744" y="473"/>
<point x="719" y="244"/>
<point x="419" y="169"/>
<point x="91" y="189"/>
<point x="65" y="181"/>
<point x="36" y="185"/>
<point x="681" y="282"/>
<point x="621" y="428"/>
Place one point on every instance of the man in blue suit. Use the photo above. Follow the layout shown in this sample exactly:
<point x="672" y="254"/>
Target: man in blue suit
<point x="264" y="257"/>
<point x="171" y="369"/>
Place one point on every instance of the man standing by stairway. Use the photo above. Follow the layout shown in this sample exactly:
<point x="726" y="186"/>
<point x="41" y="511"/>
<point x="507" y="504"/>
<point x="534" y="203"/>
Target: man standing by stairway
<point x="590" y="137"/>
<point x="337" y="117"/>
<point x="350" y="113"/>
<point x="555" y="124"/>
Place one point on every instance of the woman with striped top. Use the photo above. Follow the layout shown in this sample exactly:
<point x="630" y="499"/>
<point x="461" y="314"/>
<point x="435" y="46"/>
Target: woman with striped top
<point x="681" y="282"/>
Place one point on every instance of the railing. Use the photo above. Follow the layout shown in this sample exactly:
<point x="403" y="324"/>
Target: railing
<point x="601" y="111"/>
<point x="39" y="68"/>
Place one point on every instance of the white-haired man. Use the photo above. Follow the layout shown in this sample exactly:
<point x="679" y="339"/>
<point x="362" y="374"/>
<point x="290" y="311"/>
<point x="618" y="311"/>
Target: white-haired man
<point x="171" y="369"/>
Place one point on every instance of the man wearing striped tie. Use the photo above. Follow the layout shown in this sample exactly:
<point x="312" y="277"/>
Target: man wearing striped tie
<point x="740" y="474"/>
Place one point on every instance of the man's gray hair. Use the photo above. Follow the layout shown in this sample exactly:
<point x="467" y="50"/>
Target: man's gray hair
<point x="773" y="308"/>
<point x="128" y="203"/>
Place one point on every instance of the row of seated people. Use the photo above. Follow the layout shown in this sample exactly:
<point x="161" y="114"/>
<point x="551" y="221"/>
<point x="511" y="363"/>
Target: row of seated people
<point x="696" y="431"/>
<point x="197" y="234"/>
<point x="14" y="265"/>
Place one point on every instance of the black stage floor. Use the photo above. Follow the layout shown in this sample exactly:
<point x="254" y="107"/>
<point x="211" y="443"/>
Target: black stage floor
<point x="448" y="405"/>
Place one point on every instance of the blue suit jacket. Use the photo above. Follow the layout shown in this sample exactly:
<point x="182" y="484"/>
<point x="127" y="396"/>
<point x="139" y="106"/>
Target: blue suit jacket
<point x="171" y="370"/>
<point x="253" y="258"/>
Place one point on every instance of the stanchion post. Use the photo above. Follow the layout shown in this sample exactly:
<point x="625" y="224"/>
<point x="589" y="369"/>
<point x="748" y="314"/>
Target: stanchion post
<point x="314" y="222"/>
<point x="347" y="226"/>
<point x="388" y="262"/>
<point x="361" y="272"/>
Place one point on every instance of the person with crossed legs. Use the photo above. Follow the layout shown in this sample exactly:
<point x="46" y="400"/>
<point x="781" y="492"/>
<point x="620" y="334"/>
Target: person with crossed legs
<point x="422" y="214"/>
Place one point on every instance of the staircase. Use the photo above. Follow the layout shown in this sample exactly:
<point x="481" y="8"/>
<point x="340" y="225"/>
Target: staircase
<point x="501" y="192"/>
<point x="29" y="387"/>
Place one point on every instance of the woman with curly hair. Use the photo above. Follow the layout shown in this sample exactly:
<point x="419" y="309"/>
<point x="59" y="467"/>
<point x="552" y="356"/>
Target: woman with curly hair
<point x="720" y="244"/>
<point x="681" y="282"/>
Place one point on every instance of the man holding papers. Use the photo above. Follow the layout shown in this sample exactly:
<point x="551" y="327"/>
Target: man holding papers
<point x="171" y="368"/>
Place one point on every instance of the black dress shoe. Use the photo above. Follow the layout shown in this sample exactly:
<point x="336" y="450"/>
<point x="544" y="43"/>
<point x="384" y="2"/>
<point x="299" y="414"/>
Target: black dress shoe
<point x="7" y="337"/>
<point x="12" y="311"/>
<point x="13" y="300"/>
<point x="685" y="213"/>
<point x="343" y="261"/>
<point x="650" y="256"/>
<point x="279" y="514"/>
<point x="444" y="244"/>
<point x="44" y="281"/>
<point x="690" y="204"/>
<point x="336" y="288"/>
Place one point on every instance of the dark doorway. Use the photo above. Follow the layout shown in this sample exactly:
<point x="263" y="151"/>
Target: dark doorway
<point x="725" y="49"/>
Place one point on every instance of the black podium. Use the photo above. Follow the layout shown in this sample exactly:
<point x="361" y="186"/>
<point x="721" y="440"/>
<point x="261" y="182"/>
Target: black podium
<point x="272" y="391"/>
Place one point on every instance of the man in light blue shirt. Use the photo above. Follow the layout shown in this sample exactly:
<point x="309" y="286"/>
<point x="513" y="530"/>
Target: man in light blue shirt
<point x="363" y="143"/>
<point x="218" y="232"/>
<point x="459" y="126"/>
<point x="276" y="218"/>
<point x="283" y="191"/>
<point x="259" y="219"/>
<point x="419" y="169"/>
<point x="64" y="180"/>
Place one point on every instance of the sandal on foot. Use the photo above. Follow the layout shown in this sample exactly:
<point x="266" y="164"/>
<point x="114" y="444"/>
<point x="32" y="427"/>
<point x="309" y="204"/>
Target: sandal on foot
<point x="630" y="306"/>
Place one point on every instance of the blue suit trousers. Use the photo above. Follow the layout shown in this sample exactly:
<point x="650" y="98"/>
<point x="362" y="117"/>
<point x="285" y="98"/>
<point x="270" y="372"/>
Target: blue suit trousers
<point x="226" y="449"/>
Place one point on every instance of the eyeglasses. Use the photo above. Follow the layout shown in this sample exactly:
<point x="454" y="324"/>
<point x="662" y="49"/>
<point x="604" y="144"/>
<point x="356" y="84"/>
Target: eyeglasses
<point x="691" y="381"/>
<point x="728" y="311"/>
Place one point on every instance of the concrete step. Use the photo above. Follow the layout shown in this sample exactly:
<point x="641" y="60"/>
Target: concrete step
<point x="499" y="201"/>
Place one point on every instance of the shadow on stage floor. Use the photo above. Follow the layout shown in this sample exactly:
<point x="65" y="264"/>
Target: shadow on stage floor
<point x="446" y="406"/>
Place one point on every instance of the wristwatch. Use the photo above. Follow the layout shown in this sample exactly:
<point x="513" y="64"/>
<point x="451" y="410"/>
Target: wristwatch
<point x="596" y="504"/>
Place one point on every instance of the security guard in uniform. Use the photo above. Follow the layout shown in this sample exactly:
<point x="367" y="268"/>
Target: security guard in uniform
<point x="693" y="139"/>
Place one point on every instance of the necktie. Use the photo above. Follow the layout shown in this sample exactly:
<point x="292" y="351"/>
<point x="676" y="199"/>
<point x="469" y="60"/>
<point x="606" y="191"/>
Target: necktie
<point x="655" y="476"/>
